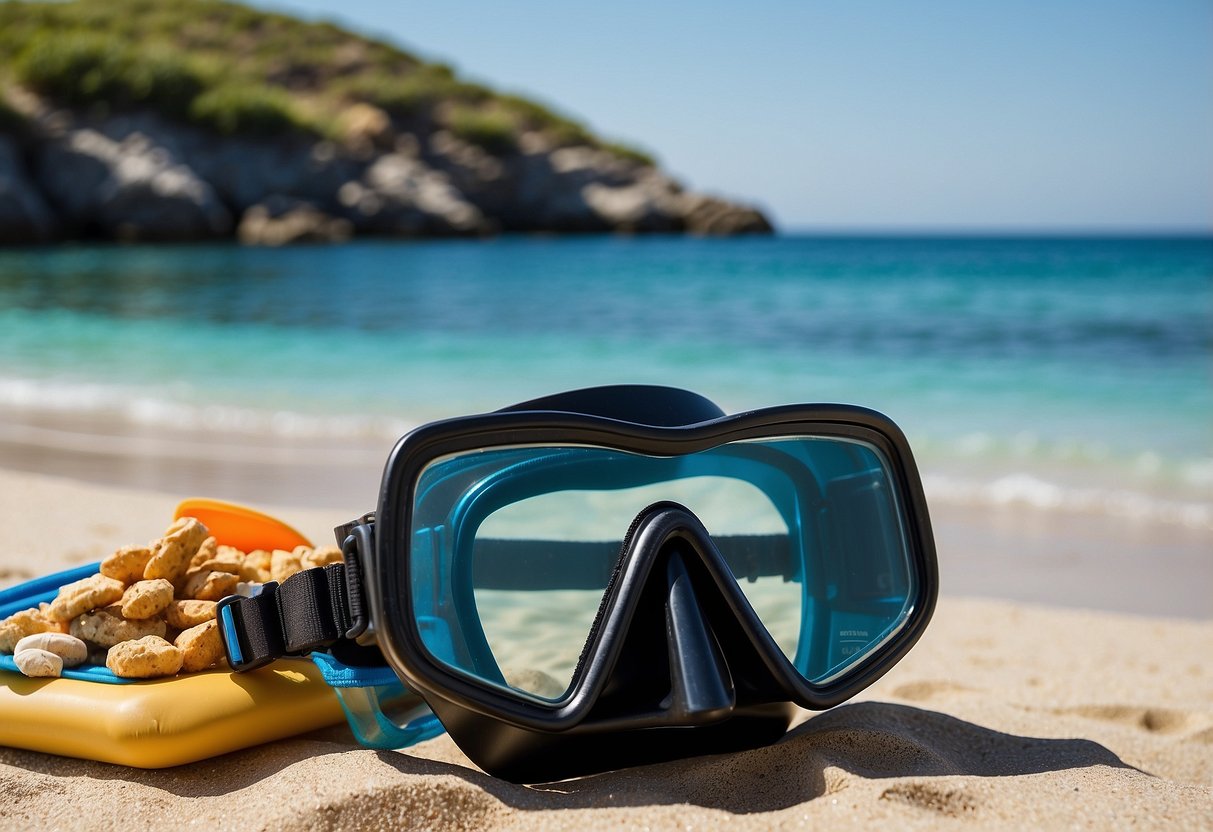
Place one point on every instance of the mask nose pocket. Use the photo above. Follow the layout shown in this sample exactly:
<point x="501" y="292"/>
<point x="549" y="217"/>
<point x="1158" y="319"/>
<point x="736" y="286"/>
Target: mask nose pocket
<point x="701" y="686"/>
<point x="684" y="658"/>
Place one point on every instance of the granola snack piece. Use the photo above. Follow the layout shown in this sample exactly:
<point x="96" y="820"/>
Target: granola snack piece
<point x="84" y="595"/>
<point x="200" y="646"/>
<point x="283" y="564"/>
<point x="107" y="627"/>
<point x="144" y="658"/>
<point x="143" y="599"/>
<point x="321" y="556"/>
<point x="56" y="626"/>
<point x="21" y="624"/>
<point x="223" y="559"/>
<point x="70" y="649"/>
<point x="206" y="551"/>
<point x="127" y="564"/>
<point x="205" y="585"/>
<point x="189" y="613"/>
<point x="256" y="567"/>
<point x="172" y="556"/>
<point x="36" y="662"/>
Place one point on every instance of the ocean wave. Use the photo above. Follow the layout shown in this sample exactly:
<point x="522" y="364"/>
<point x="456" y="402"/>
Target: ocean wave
<point x="994" y="471"/>
<point x="139" y="407"/>
<point x="1025" y="490"/>
<point x="1146" y="467"/>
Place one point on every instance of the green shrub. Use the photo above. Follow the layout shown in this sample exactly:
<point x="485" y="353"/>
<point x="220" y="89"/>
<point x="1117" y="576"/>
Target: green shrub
<point x="245" y="109"/>
<point x="493" y="130"/>
<point x="237" y="69"/>
<point x="470" y="92"/>
<point x="564" y="131"/>
<point x="164" y="81"/>
<point x="83" y="69"/>
<point x="631" y="154"/>
<point x="76" y="69"/>
<point x="569" y="133"/>
<point x="404" y="95"/>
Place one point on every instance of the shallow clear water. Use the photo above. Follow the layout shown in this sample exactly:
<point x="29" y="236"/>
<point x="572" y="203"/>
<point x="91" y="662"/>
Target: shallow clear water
<point x="1064" y="373"/>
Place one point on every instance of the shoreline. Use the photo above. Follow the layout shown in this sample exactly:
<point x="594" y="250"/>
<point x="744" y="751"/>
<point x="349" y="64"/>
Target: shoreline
<point x="1016" y="552"/>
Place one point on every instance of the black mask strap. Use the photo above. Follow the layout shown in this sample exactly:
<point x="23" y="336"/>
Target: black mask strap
<point x="641" y="404"/>
<point x="308" y="611"/>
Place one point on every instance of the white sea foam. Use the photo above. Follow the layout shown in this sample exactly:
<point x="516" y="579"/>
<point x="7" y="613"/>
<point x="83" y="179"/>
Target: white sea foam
<point x="138" y="406"/>
<point x="999" y="472"/>
<point x="1027" y="490"/>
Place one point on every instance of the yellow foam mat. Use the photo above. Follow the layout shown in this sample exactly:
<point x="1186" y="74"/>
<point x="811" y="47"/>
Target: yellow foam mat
<point x="165" y="722"/>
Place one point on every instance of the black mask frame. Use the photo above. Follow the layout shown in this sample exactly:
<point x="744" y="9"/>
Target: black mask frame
<point x="717" y="681"/>
<point x="677" y="662"/>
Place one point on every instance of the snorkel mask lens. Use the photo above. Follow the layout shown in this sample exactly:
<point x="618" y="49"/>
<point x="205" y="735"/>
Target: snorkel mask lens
<point x="512" y="548"/>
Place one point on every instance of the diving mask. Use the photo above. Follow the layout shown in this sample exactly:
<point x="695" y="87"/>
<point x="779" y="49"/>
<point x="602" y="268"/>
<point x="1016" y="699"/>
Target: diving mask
<point x="620" y="575"/>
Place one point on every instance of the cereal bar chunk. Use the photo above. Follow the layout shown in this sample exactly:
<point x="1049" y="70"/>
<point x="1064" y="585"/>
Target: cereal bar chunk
<point x="256" y="567"/>
<point x="200" y="646"/>
<point x="283" y="564"/>
<point x="223" y="559"/>
<point x="84" y="595"/>
<point x="143" y="599"/>
<point x="179" y="544"/>
<point x="107" y="627"/>
<point x="321" y="556"/>
<point x="143" y="658"/>
<point x="206" y="551"/>
<point x="205" y="585"/>
<point x="55" y="624"/>
<point x="185" y="614"/>
<point x="21" y="624"/>
<point x="126" y="564"/>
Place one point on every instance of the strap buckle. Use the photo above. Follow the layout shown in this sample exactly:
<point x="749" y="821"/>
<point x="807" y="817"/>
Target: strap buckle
<point x="262" y="610"/>
<point x="356" y="538"/>
<point x="310" y="610"/>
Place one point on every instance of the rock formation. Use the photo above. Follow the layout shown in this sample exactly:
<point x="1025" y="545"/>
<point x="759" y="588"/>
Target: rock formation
<point x="138" y="176"/>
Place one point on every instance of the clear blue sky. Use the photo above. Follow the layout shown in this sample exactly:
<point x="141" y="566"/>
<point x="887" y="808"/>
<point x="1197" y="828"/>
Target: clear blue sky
<point x="867" y="114"/>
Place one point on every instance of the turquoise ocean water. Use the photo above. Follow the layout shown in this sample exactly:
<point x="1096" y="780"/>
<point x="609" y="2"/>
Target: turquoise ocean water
<point x="1067" y="374"/>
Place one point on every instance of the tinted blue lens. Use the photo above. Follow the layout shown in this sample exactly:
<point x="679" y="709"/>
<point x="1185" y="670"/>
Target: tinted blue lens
<point x="512" y="548"/>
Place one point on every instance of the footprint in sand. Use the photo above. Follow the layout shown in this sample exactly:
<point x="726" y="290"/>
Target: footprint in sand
<point x="927" y="690"/>
<point x="1154" y="720"/>
<point x="1205" y="736"/>
<point x="951" y="802"/>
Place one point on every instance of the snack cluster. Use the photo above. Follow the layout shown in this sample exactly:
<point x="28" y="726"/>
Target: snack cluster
<point x="150" y="611"/>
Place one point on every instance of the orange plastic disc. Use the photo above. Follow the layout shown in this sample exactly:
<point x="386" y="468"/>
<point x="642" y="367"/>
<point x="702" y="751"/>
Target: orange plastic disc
<point x="240" y="526"/>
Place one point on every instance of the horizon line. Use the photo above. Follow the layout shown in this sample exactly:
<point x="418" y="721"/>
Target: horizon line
<point x="810" y="230"/>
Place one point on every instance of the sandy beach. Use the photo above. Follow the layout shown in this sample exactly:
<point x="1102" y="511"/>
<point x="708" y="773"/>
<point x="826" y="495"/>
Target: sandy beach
<point x="1008" y="714"/>
<point x="244" y="249"/>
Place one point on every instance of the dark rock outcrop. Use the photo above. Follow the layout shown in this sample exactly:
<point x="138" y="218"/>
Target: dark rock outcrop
<point x="128" y="188"/>
<point x="24" y="215"/>
<point x="282" y="220"/>
<point x="399" y="194"/>
<point x="140" y="177"/>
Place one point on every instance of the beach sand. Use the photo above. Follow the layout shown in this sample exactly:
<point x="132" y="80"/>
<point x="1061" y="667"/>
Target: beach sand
<point x="1008" y="714"/>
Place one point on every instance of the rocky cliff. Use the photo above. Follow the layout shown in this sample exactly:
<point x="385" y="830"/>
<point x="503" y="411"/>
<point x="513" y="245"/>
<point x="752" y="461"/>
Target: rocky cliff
<point x="146" y="153"/>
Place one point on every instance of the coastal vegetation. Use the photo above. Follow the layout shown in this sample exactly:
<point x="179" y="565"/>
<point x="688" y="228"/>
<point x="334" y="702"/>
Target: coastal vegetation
<point x="242" y="71"/>
<point x="143" y="120"/>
